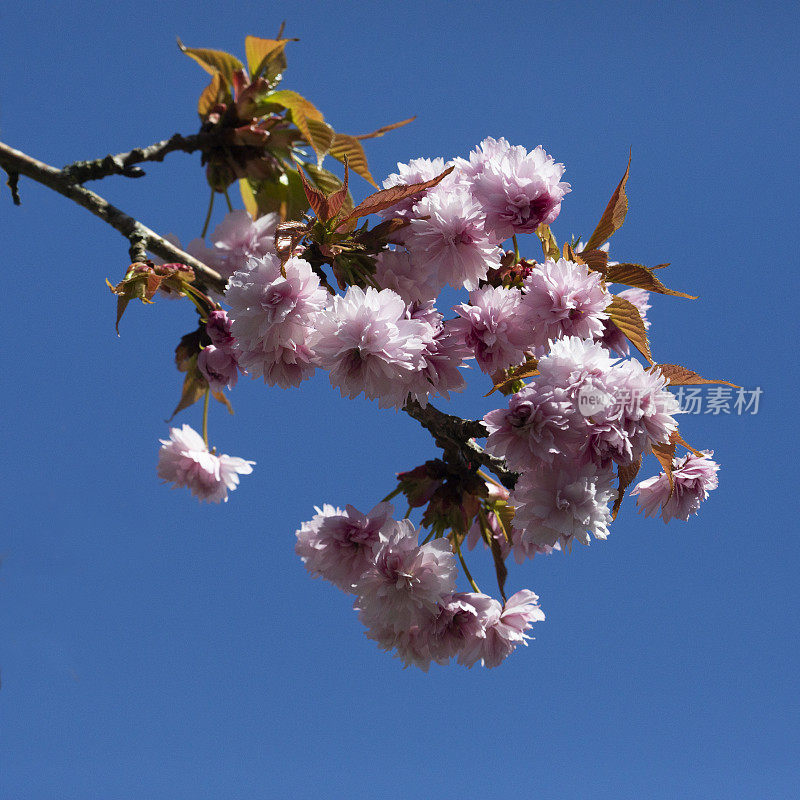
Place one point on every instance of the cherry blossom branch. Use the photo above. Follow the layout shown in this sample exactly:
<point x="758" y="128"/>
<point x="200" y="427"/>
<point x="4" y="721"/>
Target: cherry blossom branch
<point x="456" y="438"/>
<point x="141" y="238"/>
<point x="125" y="163"/>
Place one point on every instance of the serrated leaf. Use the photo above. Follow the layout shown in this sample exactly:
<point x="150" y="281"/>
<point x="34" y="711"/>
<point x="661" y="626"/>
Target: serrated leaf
<point x="642" y="278"/>
<point x="328" y="183"/>
<point x="212" y="95"/>
<point x="385" y="129"/>
<point x="300" y="110"/>
<point x="214" y="61"/>
<point x="221" y="397"/>
<point x="613" y="216"/>
<point x="665" y="453"/>
<point x="322" y="135"/>
<point x="596" y="260"/>
<point x="627" y="318"/>
<point x="682" y="376"/>
<point x="316" y="199"/>
<point x="678" y="439"/>
<point x="248" y="197"/>
<point x="514" y="374"/>
<point x="627" y="475"/>
<point x="265" y="57"/>
<point x="348" y="147"/>
<point x="549" y="243"/>
<point x="388" y="197"/>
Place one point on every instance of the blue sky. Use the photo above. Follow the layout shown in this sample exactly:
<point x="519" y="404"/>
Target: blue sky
<point x="152" y="647"/>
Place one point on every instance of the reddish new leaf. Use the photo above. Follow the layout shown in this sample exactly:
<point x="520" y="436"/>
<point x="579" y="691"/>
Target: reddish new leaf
<point x="613" y="216"/>
<point x="596" y="260"/>
<point x="221" y="397"/>
<point x="665" y="453"/>
<point x="384" y="129"/>
<point x="681" y="376"/>
<point x="642" y="278"/>
<point x="194" y="387"/>
<point x="627" y="318"/>
<point x="389" y="197"/>
<point x="326" y="207"/>
<point x="627" y="475"/>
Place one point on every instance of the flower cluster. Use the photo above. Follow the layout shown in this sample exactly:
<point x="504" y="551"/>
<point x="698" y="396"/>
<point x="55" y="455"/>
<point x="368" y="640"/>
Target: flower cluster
<point x="579" y="417"/>
<point x="405" y="592"/>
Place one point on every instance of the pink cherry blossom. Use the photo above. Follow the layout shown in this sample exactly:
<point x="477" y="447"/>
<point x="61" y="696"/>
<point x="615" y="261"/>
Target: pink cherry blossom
<point x="562" y="298"/>
<point x="219" y="367"/>
<point x="561" y="505"/>
<point x="693" y="476"/>
<point x="405" y="582"/>
<point x="239" y="237"/>
<point x="517" y="190"/>
<point x="490" y="326"/>
<point x="451" y="240"/>
<point x="185" y="461"/>
<point x="273" y="317"/>
<point x="338" y="545"/>
<point x="368" y="345"/>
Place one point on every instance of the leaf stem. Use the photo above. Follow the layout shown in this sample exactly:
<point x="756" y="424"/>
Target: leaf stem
<point x="208" y="215"/>
<point x="516" y="249"/>
<point x="467" y="573"/>
<point x="228" y="201"/>
<point x="205" y="416"/>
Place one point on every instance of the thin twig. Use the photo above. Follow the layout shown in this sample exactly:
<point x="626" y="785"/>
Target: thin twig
<point x="139" y="235"/>
<point x="124" y="163"/>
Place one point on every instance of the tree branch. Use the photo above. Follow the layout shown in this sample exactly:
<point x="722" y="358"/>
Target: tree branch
<point x="141" y="238"/>
<point x="124" y="163"/>
<point x="455" y="436"/>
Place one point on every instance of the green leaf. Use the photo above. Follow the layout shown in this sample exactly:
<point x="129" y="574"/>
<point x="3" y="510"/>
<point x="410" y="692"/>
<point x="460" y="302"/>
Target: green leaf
<point x="613" y="216"/>
<point x="301" y="111"/>
<point x="248" y="197"/>
<point x="214" y="61"/>
<point x="499" y="566"/>
<point x="284" y="196"/>
<point x="322" y="136"/>
<point x="216" y="92"/>
<point x="221" y="397"/>
<point x="507" y="378"/>
<point x="549" y="243"/>
<point x="265" y="57"/>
